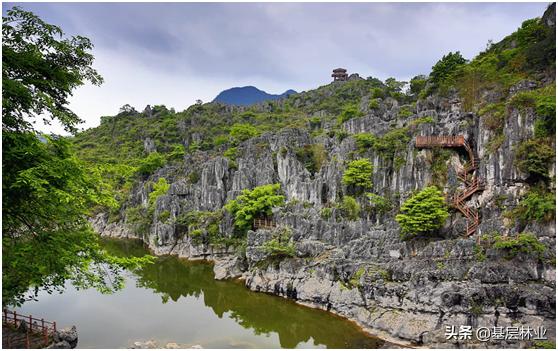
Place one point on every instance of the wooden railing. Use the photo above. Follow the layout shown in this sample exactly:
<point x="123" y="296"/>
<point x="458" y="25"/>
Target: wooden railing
<point x="34" y="328"/>
<point x="264" y="223"/>
<point x="440" y="140"/>
<point x="472" y="183"/>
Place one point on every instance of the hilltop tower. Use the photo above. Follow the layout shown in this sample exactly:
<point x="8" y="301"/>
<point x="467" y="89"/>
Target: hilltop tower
<point x="340" y="74"/>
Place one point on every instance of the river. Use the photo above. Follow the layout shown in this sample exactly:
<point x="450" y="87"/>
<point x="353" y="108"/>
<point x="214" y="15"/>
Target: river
<point x="175" y="300"/>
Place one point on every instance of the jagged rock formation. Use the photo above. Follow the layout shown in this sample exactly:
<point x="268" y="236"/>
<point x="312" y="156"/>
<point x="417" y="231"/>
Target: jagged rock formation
<point x="361" y="269"/>
<point x="408" y="290"/>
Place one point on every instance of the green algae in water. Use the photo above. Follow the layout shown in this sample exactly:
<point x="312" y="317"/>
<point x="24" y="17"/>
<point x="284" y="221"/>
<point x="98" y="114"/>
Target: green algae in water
<point x="179" y="301"/>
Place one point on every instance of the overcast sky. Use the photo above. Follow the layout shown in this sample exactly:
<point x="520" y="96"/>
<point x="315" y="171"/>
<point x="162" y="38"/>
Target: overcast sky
<point x="175" y="53"/>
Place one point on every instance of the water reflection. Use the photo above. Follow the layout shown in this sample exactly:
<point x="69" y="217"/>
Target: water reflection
<point x="265" y="320"/>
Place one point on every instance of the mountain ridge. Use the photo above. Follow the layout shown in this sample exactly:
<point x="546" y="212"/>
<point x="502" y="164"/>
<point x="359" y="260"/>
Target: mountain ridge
<point x="248" y="95"/>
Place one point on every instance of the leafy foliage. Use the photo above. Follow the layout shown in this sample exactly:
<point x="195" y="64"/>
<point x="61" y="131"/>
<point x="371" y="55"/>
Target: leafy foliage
<point x="46" y="191"/>
<point x="537" y="205"/>
<point x="160" y="188"/>
<point x="312" y="156"/>
<point x="242" y="132"/>
<point x="350" y="208"/>
<point x="422" y="213"/>
<point x="445" y="71"/>
<point x="524" y="243"/>
<point x="151" y="163"/>
<point x="358" y="174"/>
<point x="534" y="157"/>
<point x="251" y="204"/>
<point x="39" y="71"/>
<point x="281" y="244"/>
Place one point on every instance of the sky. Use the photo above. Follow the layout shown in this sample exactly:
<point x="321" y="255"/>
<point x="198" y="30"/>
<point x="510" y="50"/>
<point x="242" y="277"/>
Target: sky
<point x="176" y="53"/>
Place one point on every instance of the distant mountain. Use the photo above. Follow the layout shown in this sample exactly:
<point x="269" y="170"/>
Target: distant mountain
<point x="247" y="96"/>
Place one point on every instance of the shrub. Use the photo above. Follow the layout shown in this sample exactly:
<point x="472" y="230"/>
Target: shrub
<point x="534" y="157"/>
<point x="312" y="156"/>
<point x="163" y="216"/>
<point x="373" y="104"/>
<point x="281" y="245"/>
<point x="537" y="205"/>
<point x="364" y="141"/>
<point x="241" y="132"/>
<point x="253" y="203"/>
<point x="417" y="85"/>
<point x="378" y="93"/>
<point x="392" y="142"/>
<point x="523" y="243"/>
<point x="160" y="188"/>
<point x="377" y="203"/>
<point x="404" y="112"/>
<point x="151" y="163"/>
<point x="231" y="153"/>
<point x="326" y="212"/>
<point x="177" y="153"/>
<point x="220" y="140"/>
<point x="193" y="177"/>
<point x="422" y="213"/>
<point x="349" y="112"/>
<point x="350" y="208"/>
<point x="358" y="174"/>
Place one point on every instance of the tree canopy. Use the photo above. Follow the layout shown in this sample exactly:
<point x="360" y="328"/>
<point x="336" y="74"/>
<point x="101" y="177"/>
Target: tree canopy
<point x="423" y="212"/>
<point x="253" y="203"/>
<point x="47" y="192"/>
<point x="40" y="69"/>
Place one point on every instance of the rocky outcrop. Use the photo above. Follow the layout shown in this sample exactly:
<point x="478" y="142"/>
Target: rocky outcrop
<point x="361" y="269"/>
<point x="66" y="338"/>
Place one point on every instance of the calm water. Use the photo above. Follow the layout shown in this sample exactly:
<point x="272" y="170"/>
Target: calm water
<point x="178" y="301"/>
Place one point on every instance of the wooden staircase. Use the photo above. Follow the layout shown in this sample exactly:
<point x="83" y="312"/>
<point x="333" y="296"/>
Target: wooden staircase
<point x="466" y="174"/>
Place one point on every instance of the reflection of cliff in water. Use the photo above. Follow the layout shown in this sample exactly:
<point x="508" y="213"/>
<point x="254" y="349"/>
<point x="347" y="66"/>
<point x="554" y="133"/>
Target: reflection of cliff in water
<point x="175" y="278"/>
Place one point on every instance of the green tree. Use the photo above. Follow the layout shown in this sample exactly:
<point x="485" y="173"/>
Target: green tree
<point x="241" y="132"/>
<point x="445" y="70"/>
<point x="46" y="191"/>
<point x="40" y="68"/>
<point x="422" y="213"/>
<point x="358" y="174"/>
<point x="417" y="85"/>
<point x="254" y="203"/>
<point x="151" y="163"/>
<point x="534" y="157"/>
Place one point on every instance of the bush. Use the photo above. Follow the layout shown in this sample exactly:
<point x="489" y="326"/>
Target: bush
<point x="534" y="157"/>
<point x="177" y="153"/>
<point x="326" y="213"/>
<point x="241" y="132"/>
<point x="350" y="208"/>
<point x="312" y="156"/>
<point x="364" y="141"/>
<point x="164" y="216"/>
<point x="537" y="205"/>
<point x="524" y="243"/>
<point x="377" y="203"/>
<point x="151" y="163"/>
<point x="193" y="177"/>
<point x="422" y="213"/>
<point x="358" y="174"/>
<point x="160" y="188"/>
<point x="349" y="112"/>
<point x="231" y="153"/>
<point x="254" y="203"/>
<point x="281" y="245"/>
<point x="373" y="104"/>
